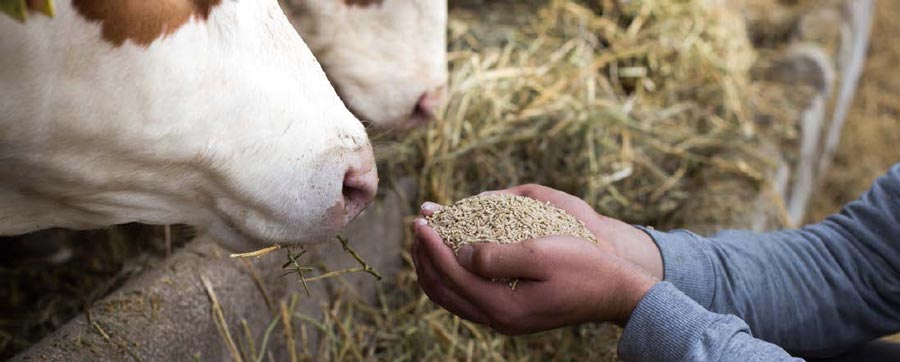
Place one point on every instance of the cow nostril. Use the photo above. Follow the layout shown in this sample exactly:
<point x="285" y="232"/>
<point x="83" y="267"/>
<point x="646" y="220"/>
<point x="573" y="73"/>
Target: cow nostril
<point x="358" y="190"/>
<point x="353" y="195"/>
<point x="424" y="110"/>
<point x="425" y="106"/>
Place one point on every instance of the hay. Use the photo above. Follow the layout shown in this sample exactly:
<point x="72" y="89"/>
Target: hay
<point x="503" y="219"/>
<point x="620" y="105"/>
<point x="872" y="133"/>
<point x="630" y="106"/>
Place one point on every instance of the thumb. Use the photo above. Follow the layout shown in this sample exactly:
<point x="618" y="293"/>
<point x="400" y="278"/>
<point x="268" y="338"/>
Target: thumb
<point x="523" y="260"/>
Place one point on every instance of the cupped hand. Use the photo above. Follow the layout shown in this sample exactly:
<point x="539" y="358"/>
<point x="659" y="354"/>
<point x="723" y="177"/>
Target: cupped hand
<point x="619" y="238"/>
<point x="562" y="281"/>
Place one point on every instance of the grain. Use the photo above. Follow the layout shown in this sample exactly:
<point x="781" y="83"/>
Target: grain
<point x="503" y="219"/>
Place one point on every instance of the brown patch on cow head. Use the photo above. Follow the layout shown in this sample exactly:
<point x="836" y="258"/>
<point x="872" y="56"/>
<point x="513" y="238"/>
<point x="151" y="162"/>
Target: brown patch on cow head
<point x="142" y="21"/>
<point x="363" y="3"/>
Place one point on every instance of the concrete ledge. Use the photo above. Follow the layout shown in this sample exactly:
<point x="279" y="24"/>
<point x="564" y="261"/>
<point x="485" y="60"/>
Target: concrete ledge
<point x="166" y="313"/>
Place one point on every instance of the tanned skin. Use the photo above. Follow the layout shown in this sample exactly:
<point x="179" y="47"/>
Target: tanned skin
<point x="563" y="280"/>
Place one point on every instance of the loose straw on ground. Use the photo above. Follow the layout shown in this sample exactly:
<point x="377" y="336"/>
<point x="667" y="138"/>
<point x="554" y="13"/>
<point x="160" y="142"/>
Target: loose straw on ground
<point x="257" y="253"/>
<point x="221" y="322"/>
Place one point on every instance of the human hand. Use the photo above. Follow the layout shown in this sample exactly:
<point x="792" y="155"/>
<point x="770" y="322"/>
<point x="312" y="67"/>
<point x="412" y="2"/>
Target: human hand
<point x="562" y="281"/>
<point x="619" y="238"/>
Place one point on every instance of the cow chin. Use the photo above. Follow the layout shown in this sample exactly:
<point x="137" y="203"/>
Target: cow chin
<point x="242" y="229"/>
<point x="240" y="240"/>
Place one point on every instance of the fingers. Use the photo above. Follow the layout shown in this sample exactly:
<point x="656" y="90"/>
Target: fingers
<point x="521" y="190"/>
<point x="524" y="260"/>
<point x="429" y="208"/>
<point x="482" y="293"/>
<point x="437" y="290"/>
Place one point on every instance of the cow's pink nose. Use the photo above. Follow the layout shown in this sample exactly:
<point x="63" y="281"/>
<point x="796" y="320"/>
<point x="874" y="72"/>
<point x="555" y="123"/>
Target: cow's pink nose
<point x="427" y="103"/>
<point x="360" y="186"/>
<point x="425" y="108"/>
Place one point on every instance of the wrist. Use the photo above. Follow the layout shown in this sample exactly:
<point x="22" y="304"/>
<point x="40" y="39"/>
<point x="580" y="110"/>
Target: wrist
<point x="634" y="284"/>
<point x="637" y="293"/>
<point x="638" y="247"/>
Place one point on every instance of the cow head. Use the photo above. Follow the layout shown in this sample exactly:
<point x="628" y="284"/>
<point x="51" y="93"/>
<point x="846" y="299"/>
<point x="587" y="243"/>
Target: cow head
<point x="387" y="58"/>
<point x="204" y="112"/>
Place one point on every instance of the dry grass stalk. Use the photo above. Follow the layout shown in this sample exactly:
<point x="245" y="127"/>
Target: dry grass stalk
<point x="167" y="231"/>
<point x="330" y="344"/>
<point x="259" y="284"/>
<point x="257" y="253"/>
<point x="221" y="322"/>
<point x="263" y="347"/>
<point x="294" y="266"/>
<point x="121" y="345"/>
<point x="248" y="335"/>
<point x="288" y="332"/>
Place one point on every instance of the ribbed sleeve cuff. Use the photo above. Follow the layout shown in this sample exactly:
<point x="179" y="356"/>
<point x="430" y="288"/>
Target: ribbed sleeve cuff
<point x="686" y="263"/>
<point x="664" y="327"/>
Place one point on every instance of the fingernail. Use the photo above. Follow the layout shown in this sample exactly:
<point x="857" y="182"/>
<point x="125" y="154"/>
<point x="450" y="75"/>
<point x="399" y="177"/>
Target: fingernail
<point x="430" y="206"/>
<point x="421" y="222"/>
<point x="465" y="256"/>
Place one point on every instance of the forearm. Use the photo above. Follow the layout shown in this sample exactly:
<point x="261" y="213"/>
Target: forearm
<point x="815" y="291"/>
<point x="669" y="326"/>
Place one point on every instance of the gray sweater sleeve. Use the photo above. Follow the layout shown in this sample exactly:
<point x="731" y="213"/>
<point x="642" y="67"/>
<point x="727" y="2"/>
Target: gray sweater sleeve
<point x="667" y="325"/>
<point x="816" y="291"/>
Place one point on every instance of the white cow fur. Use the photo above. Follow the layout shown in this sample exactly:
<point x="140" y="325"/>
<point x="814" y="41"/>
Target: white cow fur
<point x="228" y="124"/>
<point x="381" y="57"/>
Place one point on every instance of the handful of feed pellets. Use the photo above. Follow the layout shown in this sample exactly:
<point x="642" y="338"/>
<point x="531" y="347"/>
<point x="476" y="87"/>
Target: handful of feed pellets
<point x="503" y="219"/>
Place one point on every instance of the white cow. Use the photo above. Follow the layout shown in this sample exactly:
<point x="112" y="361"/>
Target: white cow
<point x="210" y="113"/>
<point x="387" y="58"/>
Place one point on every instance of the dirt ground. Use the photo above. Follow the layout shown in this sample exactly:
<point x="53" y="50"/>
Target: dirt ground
<point x="871" y="139"/>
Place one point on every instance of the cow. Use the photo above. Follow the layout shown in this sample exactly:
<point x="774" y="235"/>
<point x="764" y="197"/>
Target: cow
<point x="209" y="113"/>
<point x="387" y="58"/>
